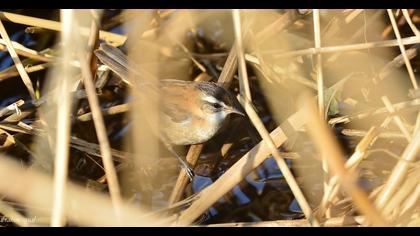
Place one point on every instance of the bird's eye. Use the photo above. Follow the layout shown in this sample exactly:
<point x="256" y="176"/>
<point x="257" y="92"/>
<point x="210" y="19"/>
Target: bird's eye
<point x="216" y="105"/>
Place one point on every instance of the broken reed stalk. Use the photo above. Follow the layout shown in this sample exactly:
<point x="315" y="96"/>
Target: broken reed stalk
<point x="402" y="49"/>
<point x="30" y="69"/>
<point x="26" y="52"/>
<point x="245" y="99"/>
<point x="351" y="164"/>
<point x="61" y="158"/>
<point x="114" y="39"/>
<point x="406" y="188"/>
<point x="326" y="144"/>
<point x="400" y="170"/>
<point x="397" y="119"/>
<point x="25" y="77"/>
<point x="410" y="22"/>
<point x="83" y="208"/>
<point x="101" y="133"/>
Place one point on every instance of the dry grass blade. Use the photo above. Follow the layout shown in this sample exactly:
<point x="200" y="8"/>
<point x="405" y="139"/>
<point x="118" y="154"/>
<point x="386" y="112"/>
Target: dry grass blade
<point x="25" y="78"/>
<point x="326" y="144"/>
<point x="113" y="38"/>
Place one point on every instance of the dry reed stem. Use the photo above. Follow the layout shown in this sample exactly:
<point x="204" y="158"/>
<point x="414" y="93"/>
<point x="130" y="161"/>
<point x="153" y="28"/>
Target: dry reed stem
<point x="113" y="38"/>
<point x="84" y="208"/>
<point x="332" y="222"/>
<point x="12" y="73"/>
<point x="344" y="48"/>
<point x="400" y="170"/>
<point x="375" y="111"/>
<point x="245" y="100"/>
<point x="326" y="144"/>
<point x="300" y="198"/>
<point x="61" y="149"/>
<point x="192" y="158"/>
<point x="26" y="52"/>
<point x="351" y="163"/>
<point x="363" y="133"/>
<point x="25" y="77"/>
<point x="243" y="83"/>
<point x="320" y="88"/>
<point x="407" y="188"/>
<point x="248" y="162"/>
<point x="410" y="23"/>
<point x="402" y="49"/>
<point x="193" y="154"/>
<point x="101" y="133"/>
<point x="411" y="200"/>
<point x="232" y="176"/>
<point x="117" y="109"/>
<point x="397" y="119"/>
<point x="353" y="15"/>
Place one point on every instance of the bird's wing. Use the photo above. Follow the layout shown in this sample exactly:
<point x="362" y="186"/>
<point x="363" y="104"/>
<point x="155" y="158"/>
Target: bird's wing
<point x="174" y="100"/>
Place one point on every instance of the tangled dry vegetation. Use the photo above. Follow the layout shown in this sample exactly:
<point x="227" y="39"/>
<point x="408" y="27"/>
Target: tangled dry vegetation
<point x="331" y="137"/>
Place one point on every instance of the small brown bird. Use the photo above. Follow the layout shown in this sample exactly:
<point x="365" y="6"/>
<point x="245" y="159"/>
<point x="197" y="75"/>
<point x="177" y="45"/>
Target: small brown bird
<point x="190" y="112"/>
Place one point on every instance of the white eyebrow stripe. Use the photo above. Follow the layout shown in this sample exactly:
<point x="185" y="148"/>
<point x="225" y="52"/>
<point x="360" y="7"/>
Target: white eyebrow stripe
<point x="211" y="99"/>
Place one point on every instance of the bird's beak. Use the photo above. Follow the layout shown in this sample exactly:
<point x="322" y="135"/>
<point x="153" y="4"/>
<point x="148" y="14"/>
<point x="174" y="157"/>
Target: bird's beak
<point x="234" y="110"/>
